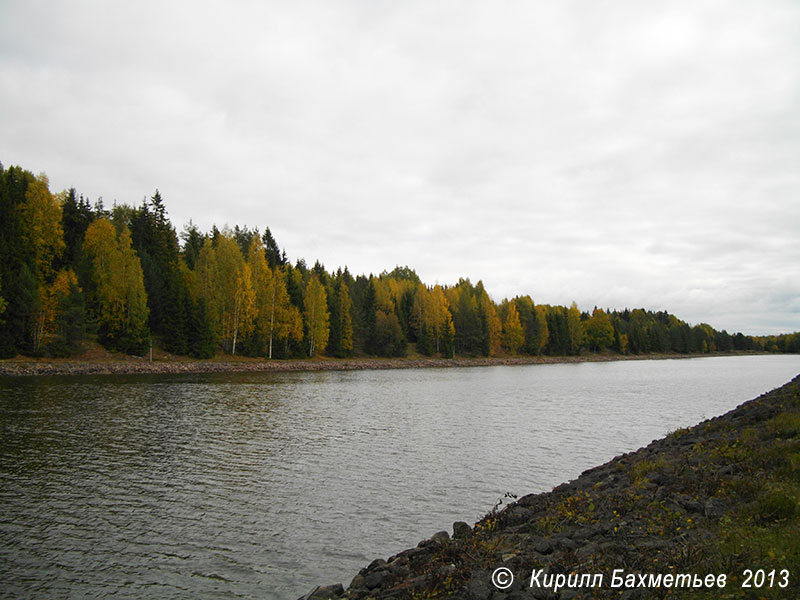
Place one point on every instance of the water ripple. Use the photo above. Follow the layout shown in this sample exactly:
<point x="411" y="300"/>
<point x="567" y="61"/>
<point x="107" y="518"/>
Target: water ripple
<point x="263" y="485"/>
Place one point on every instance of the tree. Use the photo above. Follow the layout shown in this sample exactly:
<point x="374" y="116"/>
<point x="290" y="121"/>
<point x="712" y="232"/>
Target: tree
<point x="16" y="254"/>
<point x="575" y="329"/>
<point x="369" y="308"/>
<point x="201" y="339"/>
<point x="3" y="302"/>
<point x="443" y="330"/>
<point x="265" y="292"/>
<point x="272" y="251"/>
<point x="41" y="215"/>
<point x="389" y="340"/>
<point x="72" y="318"/>
<point x="599" y="330"/>
<point x="27" y="293"/>
<point x="76" y="216"/>
<point x="42" y="218"/>
<point x="231" y="296"/>
<point x="471" y="335"/>
<point x="513" y="334"/>
<point x="119" y="295"/>
<point x="193" y="241"/>
<point x="341" y="338"/>
<point x="558" y="341"/>
<point x="156" y="244"/>
<point x="540" y="332"/>
<point x="492" y="327"/>
<point x="243" y="305"/>
<point x="316" y="315"/>
<point x="288" y="322"/>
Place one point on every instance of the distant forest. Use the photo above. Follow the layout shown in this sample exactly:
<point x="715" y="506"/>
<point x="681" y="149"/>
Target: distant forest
<point x="71" y="271"/>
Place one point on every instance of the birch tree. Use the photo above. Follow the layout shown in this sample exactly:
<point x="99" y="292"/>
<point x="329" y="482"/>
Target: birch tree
<point x="316" y="315"/>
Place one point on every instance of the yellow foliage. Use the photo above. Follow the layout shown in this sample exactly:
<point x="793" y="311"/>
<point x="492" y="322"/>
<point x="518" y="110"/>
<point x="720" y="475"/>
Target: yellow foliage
<point x="42" y="218"/>
<point x="316" y="315"/>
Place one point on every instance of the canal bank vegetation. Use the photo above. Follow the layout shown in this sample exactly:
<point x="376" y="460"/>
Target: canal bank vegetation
<point x="711" y="511"/>
<point x="72" y="272"/>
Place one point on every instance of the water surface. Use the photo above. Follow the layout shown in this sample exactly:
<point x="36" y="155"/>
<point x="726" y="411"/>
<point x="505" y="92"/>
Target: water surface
<point x="264" y="485"/>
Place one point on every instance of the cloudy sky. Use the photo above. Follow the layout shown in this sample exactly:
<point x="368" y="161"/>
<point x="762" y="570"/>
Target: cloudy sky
<point x="617" y="154"/>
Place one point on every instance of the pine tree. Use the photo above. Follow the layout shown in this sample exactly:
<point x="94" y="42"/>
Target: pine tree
<point x="201" y="339"/>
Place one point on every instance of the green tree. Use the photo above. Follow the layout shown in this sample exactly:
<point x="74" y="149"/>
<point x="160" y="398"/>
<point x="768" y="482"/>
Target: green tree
<point x="369" y="308"/>
<point x="76" y="216"/>
<point x="389" y="339"/>
<point x="275" y="258"/>
<point x="16" y="254"/>
<point x="201" y="340"/>
<point x="71" y="317"/>
<point x="3" y="302"/>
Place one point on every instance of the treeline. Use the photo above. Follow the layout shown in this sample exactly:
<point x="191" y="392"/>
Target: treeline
<point x="72" y="271"/>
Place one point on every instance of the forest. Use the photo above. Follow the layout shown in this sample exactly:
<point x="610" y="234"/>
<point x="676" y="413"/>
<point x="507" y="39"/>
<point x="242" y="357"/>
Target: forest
<point x="72" y="272"/>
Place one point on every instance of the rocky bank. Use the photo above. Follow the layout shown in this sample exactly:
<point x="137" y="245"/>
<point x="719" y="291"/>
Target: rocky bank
<point x="715" y="499"/>
<point x="119" y="364"/>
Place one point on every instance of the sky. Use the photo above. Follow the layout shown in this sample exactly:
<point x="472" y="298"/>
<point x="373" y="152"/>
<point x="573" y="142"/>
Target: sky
<point x="616" y="154"/>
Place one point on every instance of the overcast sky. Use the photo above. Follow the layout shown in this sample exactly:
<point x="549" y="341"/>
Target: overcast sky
<point x="611" y="153"/>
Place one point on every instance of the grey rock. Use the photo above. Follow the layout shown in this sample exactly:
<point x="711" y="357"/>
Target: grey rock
<point x="461" y="530"/>
<point x="587" y="550"/>
<point x="376" y="579"/>
<point x="517" y="515"/>
<point x="565" y="542"/>
<point x="440" y="537"/>
<point x="324" y="593"/>
<point x="714" y="508"/>
<point x="687" y="503"/>
<point x="480" y="585"/>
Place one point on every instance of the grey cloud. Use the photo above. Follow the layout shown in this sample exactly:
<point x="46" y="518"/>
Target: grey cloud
<point x="621" y="154"/>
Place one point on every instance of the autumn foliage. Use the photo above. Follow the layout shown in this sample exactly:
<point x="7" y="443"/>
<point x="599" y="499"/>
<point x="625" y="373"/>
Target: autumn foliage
<point x="72" y="271"/>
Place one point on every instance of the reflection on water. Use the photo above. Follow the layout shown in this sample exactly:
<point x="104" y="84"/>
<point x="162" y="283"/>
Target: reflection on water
<point x="263" y="485"/>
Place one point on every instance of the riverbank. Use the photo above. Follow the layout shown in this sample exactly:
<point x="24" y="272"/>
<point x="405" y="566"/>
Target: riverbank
<point x="97" y="363"/>
<point x="711" y="511"/>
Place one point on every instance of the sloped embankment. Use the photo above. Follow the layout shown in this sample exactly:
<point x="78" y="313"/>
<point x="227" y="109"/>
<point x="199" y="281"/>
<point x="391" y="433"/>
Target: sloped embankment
<point x="709" y="502"/>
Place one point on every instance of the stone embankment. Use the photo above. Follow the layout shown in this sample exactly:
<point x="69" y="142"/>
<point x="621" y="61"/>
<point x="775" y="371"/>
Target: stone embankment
<point x="127" y="365"/>
<point x="709" y="501"/>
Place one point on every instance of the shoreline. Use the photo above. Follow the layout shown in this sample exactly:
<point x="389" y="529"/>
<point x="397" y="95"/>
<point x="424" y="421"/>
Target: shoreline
<point x="129" y="365"/>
